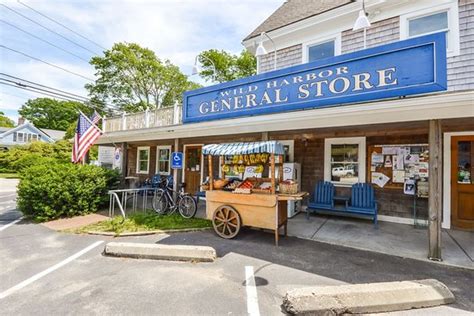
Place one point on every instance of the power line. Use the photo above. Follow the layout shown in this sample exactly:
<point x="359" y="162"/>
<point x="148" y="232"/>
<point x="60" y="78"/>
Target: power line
<point x="60" y="24"/>
<point x="42" y="90"/>
<point x="50" y="30"/>
<point x="41" y="85"/>
<point x="39" y="92"/>
<point x="47" y="63"/>
<point x="51" y="91"/>
<point x="43" y="40"/>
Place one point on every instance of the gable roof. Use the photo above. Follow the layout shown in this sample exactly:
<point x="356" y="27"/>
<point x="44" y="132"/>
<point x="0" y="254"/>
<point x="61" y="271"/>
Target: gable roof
<point x="293" y="11"/>
<point x="25" y="125"/>
<point x="54" y="134"/>
<point x="4" y="129"/>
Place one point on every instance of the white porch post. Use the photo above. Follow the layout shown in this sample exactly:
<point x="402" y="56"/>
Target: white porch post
<point x="124" y="121"/>
<point x="104" y="124"/>
<point x="175" y="113"/>
<point x="147" y="118"/>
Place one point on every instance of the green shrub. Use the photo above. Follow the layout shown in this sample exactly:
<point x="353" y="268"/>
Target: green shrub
<point x="16" y="158"/>
<point x="31" y="159"/>
<point x="52" y="190"/>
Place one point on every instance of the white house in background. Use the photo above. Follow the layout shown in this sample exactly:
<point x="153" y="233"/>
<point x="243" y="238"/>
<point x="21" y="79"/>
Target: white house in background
<point x="25" y="133"/>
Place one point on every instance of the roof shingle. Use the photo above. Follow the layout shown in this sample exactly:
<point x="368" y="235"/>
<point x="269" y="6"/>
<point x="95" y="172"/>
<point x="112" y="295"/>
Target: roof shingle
<point x="293" y="11"/>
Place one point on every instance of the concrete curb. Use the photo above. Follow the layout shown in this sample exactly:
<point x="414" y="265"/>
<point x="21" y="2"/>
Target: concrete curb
<point x="367" y="298"/>
<point x="160" y="252"/>
<point x="145" y="233"/>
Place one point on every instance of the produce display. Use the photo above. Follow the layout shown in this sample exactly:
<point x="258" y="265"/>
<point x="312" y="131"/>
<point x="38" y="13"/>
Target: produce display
<point x="232" y="185"/>
<point x="265" y="186"/>
<point x="245" y="187"/>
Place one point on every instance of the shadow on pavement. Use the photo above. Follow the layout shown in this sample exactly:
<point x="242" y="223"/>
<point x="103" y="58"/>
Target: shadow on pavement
<point x="332" y="261"/>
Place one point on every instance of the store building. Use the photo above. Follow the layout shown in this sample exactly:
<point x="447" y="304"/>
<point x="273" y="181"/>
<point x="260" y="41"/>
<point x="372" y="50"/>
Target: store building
<point x="401" y="109"/>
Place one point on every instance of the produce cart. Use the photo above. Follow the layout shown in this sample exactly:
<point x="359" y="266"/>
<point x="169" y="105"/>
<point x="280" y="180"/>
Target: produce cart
<point x="248" y="201"/>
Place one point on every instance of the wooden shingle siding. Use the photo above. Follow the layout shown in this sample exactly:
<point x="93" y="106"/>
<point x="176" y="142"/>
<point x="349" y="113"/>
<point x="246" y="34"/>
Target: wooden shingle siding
<point x="285" y="58"/>
<point x="461" y="67"/>
<point x="382" y="32"/>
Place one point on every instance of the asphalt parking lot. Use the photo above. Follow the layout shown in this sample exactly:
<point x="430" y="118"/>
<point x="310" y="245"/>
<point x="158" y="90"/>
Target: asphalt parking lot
<point x="58" y="273"/>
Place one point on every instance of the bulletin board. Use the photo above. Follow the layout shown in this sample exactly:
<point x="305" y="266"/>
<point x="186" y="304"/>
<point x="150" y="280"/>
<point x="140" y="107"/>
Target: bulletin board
<point x="390" y="166"/>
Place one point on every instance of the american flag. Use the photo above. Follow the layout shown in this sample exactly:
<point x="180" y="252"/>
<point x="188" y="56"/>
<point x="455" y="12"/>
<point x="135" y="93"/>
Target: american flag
<point x="86" y="134"/>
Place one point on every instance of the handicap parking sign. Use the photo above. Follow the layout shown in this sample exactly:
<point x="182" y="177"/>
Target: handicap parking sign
<point x="177" y="160"/>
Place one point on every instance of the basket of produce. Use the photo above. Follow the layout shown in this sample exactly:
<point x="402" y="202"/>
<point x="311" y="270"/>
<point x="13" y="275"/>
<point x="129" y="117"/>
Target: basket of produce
<point x="245" y="187"/>
<point x="218" y="184"/>
<point x="288" y="187"/>
<point x="232" y="185"/>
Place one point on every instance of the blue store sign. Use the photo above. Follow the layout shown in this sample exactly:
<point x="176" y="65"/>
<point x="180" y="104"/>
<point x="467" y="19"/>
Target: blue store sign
<point x="403" y="68"/>
<point x="177" y="160"/>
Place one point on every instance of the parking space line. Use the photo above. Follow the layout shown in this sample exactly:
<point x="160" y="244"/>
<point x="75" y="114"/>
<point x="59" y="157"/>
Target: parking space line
<point x="251" y="289"/>
<point x="38" y="276"/>
<point x="10" y="224"/>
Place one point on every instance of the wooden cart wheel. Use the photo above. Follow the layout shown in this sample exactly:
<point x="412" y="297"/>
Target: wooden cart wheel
<point x="226" y="221"/>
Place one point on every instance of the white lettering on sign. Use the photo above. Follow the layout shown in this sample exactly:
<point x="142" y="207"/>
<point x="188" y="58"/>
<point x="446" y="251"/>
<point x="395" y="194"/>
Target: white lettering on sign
<point x="312" y="85"/>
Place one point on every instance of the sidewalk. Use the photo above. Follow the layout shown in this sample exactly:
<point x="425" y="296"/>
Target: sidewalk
<point x="391" y="238"/>
<point x="75" y="222"/>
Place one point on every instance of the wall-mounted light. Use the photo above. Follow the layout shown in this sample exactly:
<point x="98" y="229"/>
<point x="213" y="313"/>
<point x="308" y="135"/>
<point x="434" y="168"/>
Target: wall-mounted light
<point x="262" y="51"/>
<point x="362" y="22"/>
<point x="197" y="69"/>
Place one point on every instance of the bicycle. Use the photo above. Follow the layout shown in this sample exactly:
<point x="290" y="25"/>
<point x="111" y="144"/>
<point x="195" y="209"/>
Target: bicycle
<point x="163" y="202"/>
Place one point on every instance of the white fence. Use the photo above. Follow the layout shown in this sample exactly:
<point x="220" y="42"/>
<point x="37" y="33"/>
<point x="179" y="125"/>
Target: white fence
<point x="148" y="119"/>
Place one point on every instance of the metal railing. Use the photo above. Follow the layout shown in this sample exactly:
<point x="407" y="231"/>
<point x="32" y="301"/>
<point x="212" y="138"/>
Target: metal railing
<point x="148" y="119"/>
<point x="127" y="200"/>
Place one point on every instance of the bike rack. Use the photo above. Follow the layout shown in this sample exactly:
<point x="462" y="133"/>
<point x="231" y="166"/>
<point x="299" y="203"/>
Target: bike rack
<point x="125" y="195"/>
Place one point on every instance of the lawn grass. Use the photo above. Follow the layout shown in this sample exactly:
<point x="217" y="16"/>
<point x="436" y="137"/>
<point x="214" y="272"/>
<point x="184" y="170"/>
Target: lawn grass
<point x="9" y="175"/>
<point x="146" y="222"/>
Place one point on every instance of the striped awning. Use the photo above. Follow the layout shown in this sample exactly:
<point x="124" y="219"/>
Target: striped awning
<point x="243" y="148"/>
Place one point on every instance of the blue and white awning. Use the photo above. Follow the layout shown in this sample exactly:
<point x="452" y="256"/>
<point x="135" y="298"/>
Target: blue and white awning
<point x="270" y="147"/>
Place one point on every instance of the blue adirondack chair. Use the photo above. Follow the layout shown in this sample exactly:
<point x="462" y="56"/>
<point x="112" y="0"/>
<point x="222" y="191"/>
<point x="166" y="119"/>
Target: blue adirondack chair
<point x="363" y="201"/>
<point x="323" y="198"/>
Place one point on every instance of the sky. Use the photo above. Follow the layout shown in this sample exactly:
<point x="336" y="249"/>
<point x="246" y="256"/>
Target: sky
<point x="177" y="30"/>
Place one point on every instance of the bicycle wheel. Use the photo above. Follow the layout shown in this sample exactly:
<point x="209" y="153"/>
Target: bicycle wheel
<point x="187" y="206"/>
<point x="160" y="202"/>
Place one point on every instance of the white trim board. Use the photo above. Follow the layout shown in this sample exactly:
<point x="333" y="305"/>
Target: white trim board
<point x="446" y="223"/>
<point x="437" y="106"/>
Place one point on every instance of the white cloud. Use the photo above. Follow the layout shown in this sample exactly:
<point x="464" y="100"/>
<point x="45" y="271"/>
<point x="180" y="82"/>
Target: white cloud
<point x="175" y="30"/>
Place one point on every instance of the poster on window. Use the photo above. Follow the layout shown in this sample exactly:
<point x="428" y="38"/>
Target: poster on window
<point x="379" y="179"/>
<point x="409" y="187"/>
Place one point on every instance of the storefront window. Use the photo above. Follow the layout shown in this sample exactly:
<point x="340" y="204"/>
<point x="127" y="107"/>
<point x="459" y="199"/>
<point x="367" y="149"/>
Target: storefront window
<point x="345" y="160"/>
<point x="143" y="159"/>
<point x="163" y="160"/>
<point x="465" y="160"/>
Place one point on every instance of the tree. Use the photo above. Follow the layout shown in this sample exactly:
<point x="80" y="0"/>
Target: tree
<point x="135" y="79"/>
<point x="227" y="66"/>
<point x="51" y="113"/>
<point x="5" y="121"/>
